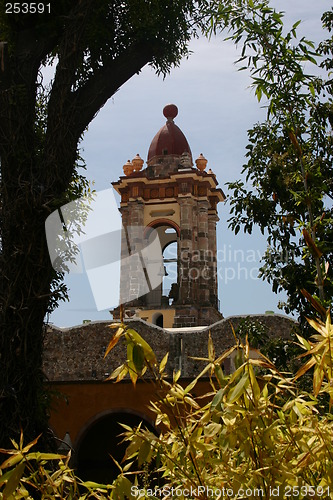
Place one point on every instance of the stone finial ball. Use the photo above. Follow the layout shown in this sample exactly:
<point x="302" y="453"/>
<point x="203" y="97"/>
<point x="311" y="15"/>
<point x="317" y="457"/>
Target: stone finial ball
<point x="170" y="111"/>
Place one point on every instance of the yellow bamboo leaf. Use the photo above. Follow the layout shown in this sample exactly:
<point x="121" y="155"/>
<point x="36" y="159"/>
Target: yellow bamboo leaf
<point x="189" y="387"/>
<point x="311" y="244"/>
<point x="122" y="488"/>
<point x="133" y="375"/>
<point x="304" y="343"/>
<point x="191" y="402"/>
<point x="263" y="364"/>
<point x="295" y="143"/>
<point x="12" y="460"/>
<point x="92" y="485"/>
<point x="236" y="374"/>
<point x="31" y="444"/>
<point x="305" y="368"/>
<point x="114" y="340"/>
<point x="318" y="377"/>
<point x="261" y="359"/>
<point x="254" y="384"/>
<point x="163" y="363"/>
<point x="320" y="347"/>
<point x="122" y="374"/>
<point x="116" y="373"/>
<point x="127" y="466"/>
<point x="194" y="382"/>
<point x="318" y="325"/>
<point x="116" y="325"/>
<point x="211" y="350"/>
<point x="314" y="303"/>
<point x="45" y="456"/>
<point x="226" y="354"/>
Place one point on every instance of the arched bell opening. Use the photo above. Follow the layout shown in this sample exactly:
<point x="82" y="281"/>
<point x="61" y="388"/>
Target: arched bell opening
<point x="170" y="278"/>
<point x="166" y="294"/>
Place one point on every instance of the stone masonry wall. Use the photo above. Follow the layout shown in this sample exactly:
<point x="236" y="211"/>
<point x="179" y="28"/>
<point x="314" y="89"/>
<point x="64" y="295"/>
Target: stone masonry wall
<point x="75" y="354"/>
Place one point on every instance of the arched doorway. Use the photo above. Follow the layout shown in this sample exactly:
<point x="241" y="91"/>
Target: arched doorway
<point x="102" y="439"/>
<point x="158" y="319"/>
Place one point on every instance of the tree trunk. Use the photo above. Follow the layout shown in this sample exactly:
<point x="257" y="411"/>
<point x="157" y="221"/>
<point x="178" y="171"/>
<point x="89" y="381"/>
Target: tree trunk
<point x="35" y="174"/>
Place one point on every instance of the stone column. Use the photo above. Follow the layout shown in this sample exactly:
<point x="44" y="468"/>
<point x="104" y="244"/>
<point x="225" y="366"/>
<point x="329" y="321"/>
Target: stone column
<point x="185" y="250"/>
<point x="135" y="279"/>
<point x="124" y="270"/>
<point x="204" y="247"/>
<point x="213" y="288"/>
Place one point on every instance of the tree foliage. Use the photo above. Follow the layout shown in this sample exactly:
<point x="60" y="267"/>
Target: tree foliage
<point x="287" y="190"/>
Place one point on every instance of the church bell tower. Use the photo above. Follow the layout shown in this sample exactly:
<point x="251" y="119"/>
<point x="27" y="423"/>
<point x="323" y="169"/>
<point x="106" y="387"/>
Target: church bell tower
<point x="178" y="200"/>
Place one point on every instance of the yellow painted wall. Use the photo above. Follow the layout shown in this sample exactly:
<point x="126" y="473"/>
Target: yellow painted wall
<point x="168" y="316"/>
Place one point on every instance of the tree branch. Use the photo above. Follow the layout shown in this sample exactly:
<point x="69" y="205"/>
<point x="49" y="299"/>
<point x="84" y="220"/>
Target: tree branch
<point x="89" y="99"/>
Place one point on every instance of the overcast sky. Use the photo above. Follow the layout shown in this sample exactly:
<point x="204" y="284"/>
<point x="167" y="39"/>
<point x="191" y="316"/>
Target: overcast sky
<point x="216" y="108"/>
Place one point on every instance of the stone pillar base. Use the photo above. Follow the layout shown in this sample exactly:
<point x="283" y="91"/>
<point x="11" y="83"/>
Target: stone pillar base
<point x="187" y="316"/>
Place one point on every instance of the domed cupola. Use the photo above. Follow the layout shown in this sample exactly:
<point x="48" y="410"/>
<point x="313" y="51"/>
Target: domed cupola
<point x="169" y="140"/>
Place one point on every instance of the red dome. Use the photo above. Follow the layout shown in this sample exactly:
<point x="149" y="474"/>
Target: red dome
<point x="169" y="140"/>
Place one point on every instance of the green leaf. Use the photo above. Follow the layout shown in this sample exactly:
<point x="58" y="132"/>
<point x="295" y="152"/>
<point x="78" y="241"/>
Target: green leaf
<point x="133" y="447"/>
<point x="144" y="452"/>
<point x="91" y="485"/>
<point x="312" y="89"/>
<point x="258" y="93"/>
<point x="219" y="374"/>
<point x="239" y="389"/>
<point x="212" y="429"/>
<point x="138" y="357"/>
<point x="130" y="363"/>
<point x="133" y="336"/>
<point x="4" y="477"/>
<point x="217" y="399"/>
<point x="122" y="488"/>
<point x="14" y="480"/>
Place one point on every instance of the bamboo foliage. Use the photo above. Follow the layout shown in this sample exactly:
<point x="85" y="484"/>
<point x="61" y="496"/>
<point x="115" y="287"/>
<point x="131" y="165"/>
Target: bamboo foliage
<point x="254" y="431"/>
